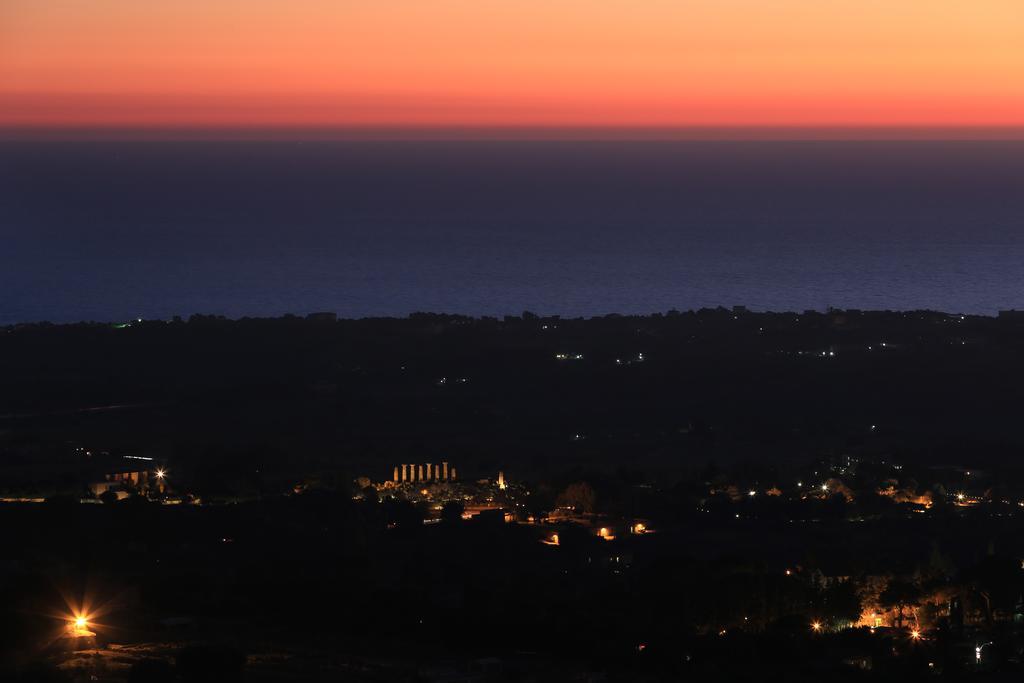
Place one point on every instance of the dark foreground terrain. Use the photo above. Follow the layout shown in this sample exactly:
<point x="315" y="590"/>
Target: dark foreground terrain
<point x="710" y="495"/>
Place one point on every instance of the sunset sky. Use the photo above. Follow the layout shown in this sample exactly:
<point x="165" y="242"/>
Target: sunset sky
<point x="524" y="63"/>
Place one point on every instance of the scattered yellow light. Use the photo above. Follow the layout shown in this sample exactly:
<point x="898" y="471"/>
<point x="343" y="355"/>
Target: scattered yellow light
<point x="916" y="635"/>
<point x="550" y="540"/>
<point x="78" y="626"/>
<point x="816" y="626"/>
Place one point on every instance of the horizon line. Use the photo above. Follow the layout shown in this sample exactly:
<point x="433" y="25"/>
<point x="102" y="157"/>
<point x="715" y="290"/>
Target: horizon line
<point x="501" y="317"/>
<point x="396" y="133"/>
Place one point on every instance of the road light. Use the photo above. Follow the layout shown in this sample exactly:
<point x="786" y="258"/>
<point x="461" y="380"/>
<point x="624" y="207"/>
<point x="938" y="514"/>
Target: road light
<point x="78" y="626"/>
<point x="160" y="474"/>
<point x="816" y="626"/>
<point x="915" y="634"/>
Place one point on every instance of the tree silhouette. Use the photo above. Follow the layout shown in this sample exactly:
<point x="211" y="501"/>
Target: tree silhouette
<point x="841" y="604"/>
<point x="578" y="496"/>
<point x="452" y="511"/>
<point x="899" y="595"/>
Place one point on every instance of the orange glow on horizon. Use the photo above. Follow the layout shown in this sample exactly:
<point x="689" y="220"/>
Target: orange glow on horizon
<point x="616" y="63"/>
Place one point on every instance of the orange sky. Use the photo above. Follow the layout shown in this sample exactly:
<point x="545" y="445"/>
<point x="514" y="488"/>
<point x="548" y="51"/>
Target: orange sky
<point x="409" y="63"/>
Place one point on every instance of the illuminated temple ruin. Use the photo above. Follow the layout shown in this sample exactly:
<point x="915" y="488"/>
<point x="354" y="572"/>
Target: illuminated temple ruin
<point x="425" y="472"/>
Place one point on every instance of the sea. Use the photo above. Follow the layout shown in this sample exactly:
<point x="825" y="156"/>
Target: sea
<point x="114" y="231"/>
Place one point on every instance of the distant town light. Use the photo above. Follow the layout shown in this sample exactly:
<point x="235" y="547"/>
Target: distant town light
<point x="959" y="496"/>
<point x="816" y="626"/>
<point x="824" y="487"/>
<point x="160" y="474"/>
<point x="915" y="634"/>
<point x="752" y="493"/>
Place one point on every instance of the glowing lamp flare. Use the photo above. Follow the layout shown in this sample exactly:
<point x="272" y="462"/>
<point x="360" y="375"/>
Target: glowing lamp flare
<point x="78" y="626"/>
<point x="816" y="626"/>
